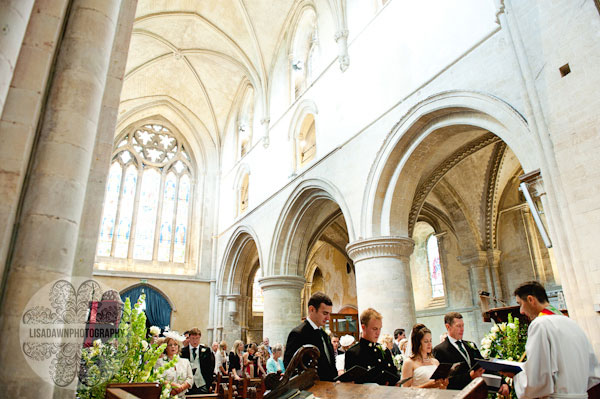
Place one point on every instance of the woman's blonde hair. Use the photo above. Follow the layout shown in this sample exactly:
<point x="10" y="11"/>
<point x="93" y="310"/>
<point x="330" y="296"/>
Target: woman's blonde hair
<point x="387" y="339"/>
<point x="236" y="346"/>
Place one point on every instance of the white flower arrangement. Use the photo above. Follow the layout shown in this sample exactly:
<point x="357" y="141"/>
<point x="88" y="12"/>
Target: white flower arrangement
<point x="154" y="331"/>
<point x="398" y="361"/>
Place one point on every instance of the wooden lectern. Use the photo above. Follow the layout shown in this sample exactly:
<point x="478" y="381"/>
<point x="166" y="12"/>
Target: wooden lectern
<point x="301" y="375"/>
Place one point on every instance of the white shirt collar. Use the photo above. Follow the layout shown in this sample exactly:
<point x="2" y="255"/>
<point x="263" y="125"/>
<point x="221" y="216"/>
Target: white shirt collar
<point x="452" y="340"/>
<point x="312" y="323"/>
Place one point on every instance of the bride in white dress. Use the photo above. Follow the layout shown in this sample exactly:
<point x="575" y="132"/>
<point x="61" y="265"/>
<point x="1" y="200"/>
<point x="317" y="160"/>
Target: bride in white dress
<point x="420" y="365"/>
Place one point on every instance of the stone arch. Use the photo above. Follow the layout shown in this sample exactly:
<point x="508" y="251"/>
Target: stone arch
<point x="309" y="205"/>
<point x="236" y="263"/>
<point x="468" y="118"/>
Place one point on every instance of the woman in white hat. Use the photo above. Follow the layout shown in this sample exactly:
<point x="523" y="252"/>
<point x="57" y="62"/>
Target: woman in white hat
<point x="346" y="342"/>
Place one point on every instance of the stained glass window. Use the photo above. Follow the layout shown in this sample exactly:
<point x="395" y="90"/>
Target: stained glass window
<point x="148" y="197"/>
<point x="435" y="267"/>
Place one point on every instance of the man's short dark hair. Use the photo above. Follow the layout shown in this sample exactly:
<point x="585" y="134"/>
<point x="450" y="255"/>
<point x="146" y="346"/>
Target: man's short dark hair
<point x="398" y="332"/>
<point x="318" y="298"/>
<point x="450" y="316"/>
<point x="532" y="288"/>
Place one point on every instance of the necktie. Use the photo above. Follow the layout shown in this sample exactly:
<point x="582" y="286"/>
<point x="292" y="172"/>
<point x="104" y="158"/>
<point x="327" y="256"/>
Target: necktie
<point x="322" y="334"/>
<point x="464" y="352"/>
<point x="194" y="353"/>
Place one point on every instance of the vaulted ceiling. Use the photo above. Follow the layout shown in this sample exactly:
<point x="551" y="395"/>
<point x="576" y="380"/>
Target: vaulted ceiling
<point x="198" y="53"/>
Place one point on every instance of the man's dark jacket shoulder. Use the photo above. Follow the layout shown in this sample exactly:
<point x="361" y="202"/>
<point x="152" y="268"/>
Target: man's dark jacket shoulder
<point x="304" y="334"/>
<point x="448" y="353"/>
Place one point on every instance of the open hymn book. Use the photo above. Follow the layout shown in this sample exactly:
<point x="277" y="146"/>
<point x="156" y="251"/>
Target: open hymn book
<point x="498" y="365"/>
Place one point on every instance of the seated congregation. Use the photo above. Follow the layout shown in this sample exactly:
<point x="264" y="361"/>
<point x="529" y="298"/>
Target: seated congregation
<point x="554" y="367"/>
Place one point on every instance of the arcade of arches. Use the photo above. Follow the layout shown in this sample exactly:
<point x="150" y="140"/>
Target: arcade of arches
<point x="235" y="158"/>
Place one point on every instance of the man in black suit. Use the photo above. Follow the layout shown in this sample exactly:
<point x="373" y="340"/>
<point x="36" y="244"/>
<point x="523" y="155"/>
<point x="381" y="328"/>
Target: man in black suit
<point x="367" y="352"/>
<point x="454" y="350"/>
<point x="310" y="332"/>
<point x="399" y="335"/>
<point x="203" y="363"/>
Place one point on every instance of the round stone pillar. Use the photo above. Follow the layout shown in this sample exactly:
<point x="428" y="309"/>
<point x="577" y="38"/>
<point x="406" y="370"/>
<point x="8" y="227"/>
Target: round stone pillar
<point x="383" y="280"/>
<point x="282" y="310"/>
<point x="46" y="237"/>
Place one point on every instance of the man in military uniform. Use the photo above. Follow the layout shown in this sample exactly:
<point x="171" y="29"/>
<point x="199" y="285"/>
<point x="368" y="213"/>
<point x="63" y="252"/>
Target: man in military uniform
<point x="368" y="353"/>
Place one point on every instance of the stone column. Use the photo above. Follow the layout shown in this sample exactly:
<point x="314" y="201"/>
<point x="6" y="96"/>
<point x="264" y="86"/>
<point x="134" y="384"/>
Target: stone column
<point x="282" y="306"/>
<point x="231" y="318"/>
<point x="46" y="237"/>
<point x="13" y="24"/>
<point x="383" y="279"/>
<point x="219" y="319"/>
<point x="477" y="264"/>
<point x="493" y="257"/>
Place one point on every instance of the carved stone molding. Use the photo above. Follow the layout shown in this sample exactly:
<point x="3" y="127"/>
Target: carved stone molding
<point x="281" y="282"/>
<point x="341" y="38"/>
<point x="380" y="247"/>
<point x="499" y="10"/>
<point x="341" y="34"/>
<point x="491" y="199"/>
<point x="425" y="188"/>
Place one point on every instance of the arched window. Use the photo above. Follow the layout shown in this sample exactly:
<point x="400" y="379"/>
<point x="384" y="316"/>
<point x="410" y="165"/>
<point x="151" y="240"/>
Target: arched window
<point x="427" y="268"/>
<point x="147" y="206"/>
<point x="243" y="194"/>
<point x="258" y="301"/>
<point x="302" y="52"/>
<point x="306" y="141"/>
<point x="435" y="267"/>
<point x="245" y="122"/>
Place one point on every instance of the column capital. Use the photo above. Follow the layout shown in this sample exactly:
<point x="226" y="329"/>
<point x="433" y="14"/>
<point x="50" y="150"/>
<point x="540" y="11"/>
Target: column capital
<point x="474" y="259"/>
<point x="281" y="282"/>
<point x="380" y="247"/>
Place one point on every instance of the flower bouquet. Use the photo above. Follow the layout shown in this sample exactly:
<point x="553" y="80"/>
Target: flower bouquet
<point x="505" y="341"/>
<point x="399" y="361"/>
<point x="126" y="358"/>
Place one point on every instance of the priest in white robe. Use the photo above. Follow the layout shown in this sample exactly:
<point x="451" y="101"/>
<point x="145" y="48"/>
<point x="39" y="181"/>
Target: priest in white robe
<point x="560" y="359"/>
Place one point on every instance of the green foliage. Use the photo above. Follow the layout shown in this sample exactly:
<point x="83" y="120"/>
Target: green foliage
<point x="505" y="341"/>
<point x="128" y="357"/>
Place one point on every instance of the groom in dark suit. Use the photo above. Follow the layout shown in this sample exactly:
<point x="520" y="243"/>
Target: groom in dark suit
<point x="454" y="349"/>
<point x="202" y="361"/>
<point x="310" y="332"/>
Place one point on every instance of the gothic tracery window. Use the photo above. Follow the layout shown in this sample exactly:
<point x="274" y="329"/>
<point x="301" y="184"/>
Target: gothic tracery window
<point x="148" y="199"/>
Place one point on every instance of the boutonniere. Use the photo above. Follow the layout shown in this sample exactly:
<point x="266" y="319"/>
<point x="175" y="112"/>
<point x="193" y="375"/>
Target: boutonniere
<point x="471" y="344"/>
<point x="381" y="350"/>
<point x="203" y="349"/>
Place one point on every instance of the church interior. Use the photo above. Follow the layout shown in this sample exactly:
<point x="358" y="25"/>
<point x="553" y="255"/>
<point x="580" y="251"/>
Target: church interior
<point x="230" y="158"/>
